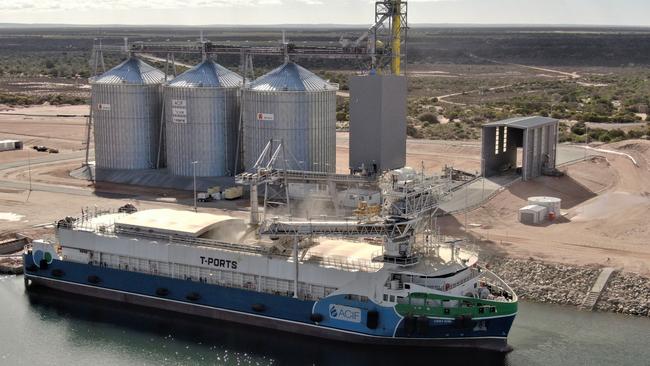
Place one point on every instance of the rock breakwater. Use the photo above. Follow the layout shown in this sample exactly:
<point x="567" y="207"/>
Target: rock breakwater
<point x="557" y="283"/>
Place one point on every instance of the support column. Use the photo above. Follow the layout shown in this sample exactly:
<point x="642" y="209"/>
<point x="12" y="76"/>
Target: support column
<point x="255" y="214"/>
<point x="295" y="258"/>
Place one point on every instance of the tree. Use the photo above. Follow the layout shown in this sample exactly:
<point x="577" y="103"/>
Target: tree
<point x="428" y="117"/>
<point x="579" y="128"/>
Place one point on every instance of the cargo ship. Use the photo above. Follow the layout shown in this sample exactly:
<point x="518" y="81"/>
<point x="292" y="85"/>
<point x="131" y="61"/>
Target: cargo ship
<point x="287" y="274"/>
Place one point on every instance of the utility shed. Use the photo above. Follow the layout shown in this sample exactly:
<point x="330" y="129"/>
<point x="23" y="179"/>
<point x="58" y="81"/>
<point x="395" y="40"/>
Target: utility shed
<point x="537" y="136"/>
<point x="6" y="145"/>
<point x="532" y="214"/>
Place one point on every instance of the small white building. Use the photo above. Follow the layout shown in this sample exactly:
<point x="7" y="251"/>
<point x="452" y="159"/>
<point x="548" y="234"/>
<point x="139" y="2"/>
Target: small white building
<point x="7" y="145"/>
<point x="532" y="214"/>
<point x="552" y="204"/>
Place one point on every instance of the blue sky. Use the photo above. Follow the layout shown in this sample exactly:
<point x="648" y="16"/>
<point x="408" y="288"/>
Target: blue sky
<point x="200" y="12"/>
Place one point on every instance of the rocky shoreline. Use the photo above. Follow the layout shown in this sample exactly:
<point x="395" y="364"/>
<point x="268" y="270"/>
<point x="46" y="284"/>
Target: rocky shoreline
<point x="557" y="283"/>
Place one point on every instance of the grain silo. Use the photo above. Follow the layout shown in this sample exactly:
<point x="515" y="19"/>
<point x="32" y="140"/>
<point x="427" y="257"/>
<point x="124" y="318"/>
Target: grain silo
<point x="201" y="119"/>
<point x="126" y="115"/>
<point x="295" y="106"/>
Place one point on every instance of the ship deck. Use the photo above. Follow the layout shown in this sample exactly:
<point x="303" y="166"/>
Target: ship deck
<point x="228" y="233"/>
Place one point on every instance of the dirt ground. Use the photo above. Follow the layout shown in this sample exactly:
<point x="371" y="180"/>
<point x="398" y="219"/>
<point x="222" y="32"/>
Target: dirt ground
<point x="433" y="154"/>
<point x="605" y="217"/>
<point x="63" y="133"/>
<point x="45" y="86"/>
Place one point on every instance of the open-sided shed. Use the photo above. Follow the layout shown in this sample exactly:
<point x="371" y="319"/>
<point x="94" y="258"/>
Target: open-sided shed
<point x="537" y="136"/>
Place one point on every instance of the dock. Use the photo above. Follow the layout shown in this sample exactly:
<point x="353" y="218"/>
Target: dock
<point x="11" y="260"/>
<point x="11" y="265"/>
<point x="13" y="245"/>
<point x="597" y="289"/>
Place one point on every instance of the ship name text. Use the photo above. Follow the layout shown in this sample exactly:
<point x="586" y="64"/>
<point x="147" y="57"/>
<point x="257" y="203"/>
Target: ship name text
<point x="220" y="263"/>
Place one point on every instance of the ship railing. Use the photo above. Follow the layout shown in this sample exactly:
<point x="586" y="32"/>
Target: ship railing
<point x="413" y="258"/>
<point x="496" y="281"/>
<point x="474" y="273"/>
<point x="446" y="286"/>
<point x="344" y="263"/>
<point x="251" y="248"/>
<point x="87" y="220"/>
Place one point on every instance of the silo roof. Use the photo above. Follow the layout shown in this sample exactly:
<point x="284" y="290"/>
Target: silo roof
<point x="131" y="71"/>
<point x="291" y="77"/>
<point x="207" y="74"/>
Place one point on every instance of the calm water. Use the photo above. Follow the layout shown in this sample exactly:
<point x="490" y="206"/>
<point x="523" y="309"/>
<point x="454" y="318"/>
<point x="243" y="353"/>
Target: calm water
<point x="41" y="328"/>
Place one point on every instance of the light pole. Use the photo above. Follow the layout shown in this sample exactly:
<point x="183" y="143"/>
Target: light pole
<point x="586" y="139"/>
<point x="194" y="178"/>
<point x="29" y="169"/>
<point x="466" y="208"/>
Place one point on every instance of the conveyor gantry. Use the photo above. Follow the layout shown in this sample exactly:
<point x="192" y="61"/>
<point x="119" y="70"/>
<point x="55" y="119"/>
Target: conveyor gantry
<point x="343" y="228"/>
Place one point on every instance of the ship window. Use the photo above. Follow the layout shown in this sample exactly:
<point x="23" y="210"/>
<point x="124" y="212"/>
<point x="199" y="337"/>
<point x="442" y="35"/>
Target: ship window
<point x="353" y="297"/>
<point x="392" y="298"/>
<point x="417" y="301"/>
<point x="385" y="297"/>
<point x="401" y="300"/>
<point x="433" y="303"/>
<point x="407" y="286"/>
<point x="450" y="303"/>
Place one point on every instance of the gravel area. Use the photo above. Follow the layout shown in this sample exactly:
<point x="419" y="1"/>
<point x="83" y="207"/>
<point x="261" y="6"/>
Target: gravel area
<point x="626" y="293"/>
<point x="537" y="281"/>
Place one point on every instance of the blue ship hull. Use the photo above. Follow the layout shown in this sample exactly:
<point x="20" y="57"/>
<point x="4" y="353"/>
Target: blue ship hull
<point x="278" y="312"/>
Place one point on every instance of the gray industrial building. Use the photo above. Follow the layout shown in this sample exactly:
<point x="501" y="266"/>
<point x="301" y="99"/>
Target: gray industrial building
<point x="378" y="123"/>
<point x="536" y="136"/>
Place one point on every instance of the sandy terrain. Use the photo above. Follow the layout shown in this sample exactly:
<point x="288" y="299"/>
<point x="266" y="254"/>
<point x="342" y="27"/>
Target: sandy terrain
<point x="463" y="155"/>
<point x="45" y="86"/>
<point x="63" y="133"/>
<point x="612" y="126"/>
<point x="606" y="214"/>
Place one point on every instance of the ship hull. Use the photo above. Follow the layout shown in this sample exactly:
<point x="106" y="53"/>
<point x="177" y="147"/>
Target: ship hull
<point x="276" y="312"/>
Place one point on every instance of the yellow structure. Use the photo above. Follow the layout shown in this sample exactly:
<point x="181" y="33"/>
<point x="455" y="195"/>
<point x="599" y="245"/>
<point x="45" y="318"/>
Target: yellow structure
<point x="396" y="35"/>
<point x="364" y="210"/>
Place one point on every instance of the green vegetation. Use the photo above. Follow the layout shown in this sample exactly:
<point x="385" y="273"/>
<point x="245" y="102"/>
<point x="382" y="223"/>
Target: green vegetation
<point x="54" y="99"/>
<point x="473" y="67"/>
<point x="620" y="97"/>
<point x="579" y="132"/>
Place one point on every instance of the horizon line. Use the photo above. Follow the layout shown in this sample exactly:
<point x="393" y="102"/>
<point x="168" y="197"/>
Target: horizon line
<point x="317" y="25"/>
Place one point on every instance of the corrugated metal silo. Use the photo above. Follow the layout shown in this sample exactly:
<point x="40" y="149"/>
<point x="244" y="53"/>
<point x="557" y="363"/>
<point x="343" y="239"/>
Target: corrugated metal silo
<point x="201" y="119"/>
<point x="296" y="106"/>
<point x="126" y="115"/>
